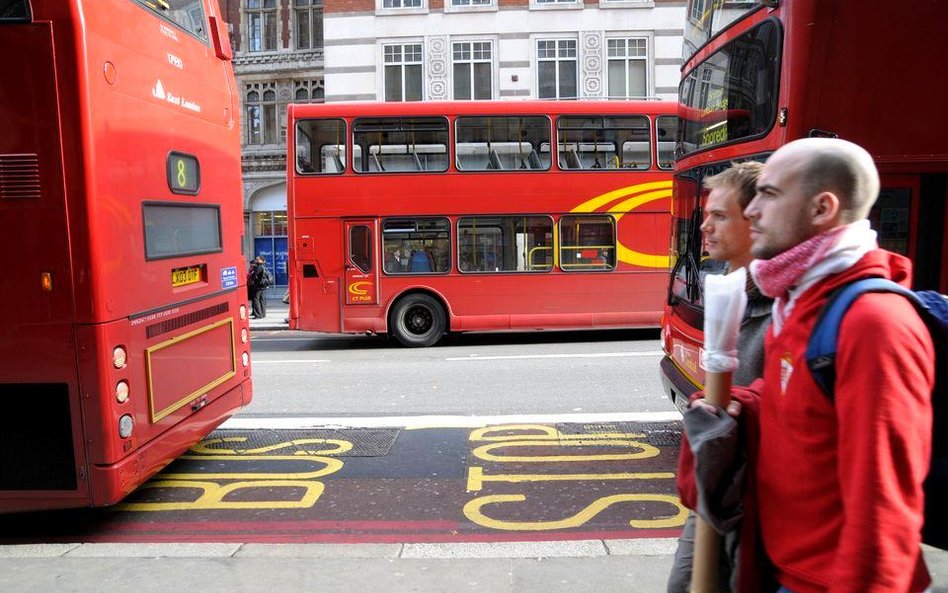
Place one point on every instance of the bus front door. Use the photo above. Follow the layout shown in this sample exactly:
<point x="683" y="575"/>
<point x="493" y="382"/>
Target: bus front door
<point x="361" y="279"/>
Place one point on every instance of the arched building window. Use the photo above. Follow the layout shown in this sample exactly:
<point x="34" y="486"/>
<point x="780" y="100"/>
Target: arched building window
<point x="309" y="91"/>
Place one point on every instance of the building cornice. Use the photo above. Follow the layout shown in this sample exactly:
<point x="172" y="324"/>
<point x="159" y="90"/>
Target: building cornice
<point x="280" y="61"/>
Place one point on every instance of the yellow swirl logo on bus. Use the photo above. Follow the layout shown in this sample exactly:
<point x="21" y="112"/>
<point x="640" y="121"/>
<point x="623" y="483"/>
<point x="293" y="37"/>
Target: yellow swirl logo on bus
<point x="620" y="202"/>
<point x="360" y="288"/>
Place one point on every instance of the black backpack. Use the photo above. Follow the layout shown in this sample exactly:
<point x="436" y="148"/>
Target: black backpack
<point x="266" y="279"/>
<point x="932" y="307"/>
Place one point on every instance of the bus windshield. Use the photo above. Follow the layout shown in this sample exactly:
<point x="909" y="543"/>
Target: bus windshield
<point x="733" y="94"/>
<point x="707" y="18"/>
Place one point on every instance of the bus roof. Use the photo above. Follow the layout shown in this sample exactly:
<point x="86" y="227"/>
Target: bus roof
<point x="420" y="108"/>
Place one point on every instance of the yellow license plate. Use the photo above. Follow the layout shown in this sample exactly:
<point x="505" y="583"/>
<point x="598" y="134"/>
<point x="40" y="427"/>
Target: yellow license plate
<point x="185" y="276"/>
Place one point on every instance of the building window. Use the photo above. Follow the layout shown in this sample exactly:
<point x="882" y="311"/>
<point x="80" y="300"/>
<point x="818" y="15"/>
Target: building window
<point x="556" y="68"/>
<point x="401" y="3"/>
<point x="704" y="86"/>
<point x="551" y="2"/>
<point x="696" y="12"/>
<point x="261" y="108"/>
<point x="472" y="70"/>
<point x="403" y="80"/>
<point x="309" y="23"/>
<point x="261" y="25"/>
<point x="628" y="67"/>
<point x="470" y="2"/>
<point x="309" y="91"/>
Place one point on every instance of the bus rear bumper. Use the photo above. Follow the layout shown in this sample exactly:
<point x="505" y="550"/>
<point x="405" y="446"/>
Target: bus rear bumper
<point x="676" y="384"/>
<point x="112" y="483"/>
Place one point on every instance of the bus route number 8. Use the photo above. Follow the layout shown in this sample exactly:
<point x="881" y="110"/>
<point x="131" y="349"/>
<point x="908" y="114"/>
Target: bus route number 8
<point x="184" y="173"/>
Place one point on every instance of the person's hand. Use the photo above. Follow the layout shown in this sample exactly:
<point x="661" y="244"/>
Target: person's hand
<point x="733" y="409"/>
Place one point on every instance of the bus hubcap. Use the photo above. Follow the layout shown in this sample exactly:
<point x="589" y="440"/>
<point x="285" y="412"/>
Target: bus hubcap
<point x="418" y="320"/>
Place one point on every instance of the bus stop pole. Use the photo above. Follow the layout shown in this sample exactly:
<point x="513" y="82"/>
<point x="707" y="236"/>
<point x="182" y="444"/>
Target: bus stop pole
<point x="706" y="560"/>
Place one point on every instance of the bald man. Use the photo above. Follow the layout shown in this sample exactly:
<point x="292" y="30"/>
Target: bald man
<point x="839" y="481"/>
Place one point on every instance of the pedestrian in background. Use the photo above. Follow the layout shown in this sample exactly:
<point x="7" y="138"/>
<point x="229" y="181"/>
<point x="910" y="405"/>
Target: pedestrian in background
<point x="727" y="237"/>
<point x="258" y="287"/>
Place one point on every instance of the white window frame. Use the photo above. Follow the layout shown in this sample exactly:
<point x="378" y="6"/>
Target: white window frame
<point x="556" y="4"/>
<point x="382" y="60"/>
<point x="626" y="4"/>
<point x="470" y="6"/>
<point x="398" y="7"/>
<point x="537" y="59"/>
<point x="493" y="70"/>
<point x="696" y="10"/>
<point x="646" y="59"/>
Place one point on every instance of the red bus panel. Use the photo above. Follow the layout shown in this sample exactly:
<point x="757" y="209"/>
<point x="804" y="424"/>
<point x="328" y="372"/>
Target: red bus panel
<point x="120" y="197"/>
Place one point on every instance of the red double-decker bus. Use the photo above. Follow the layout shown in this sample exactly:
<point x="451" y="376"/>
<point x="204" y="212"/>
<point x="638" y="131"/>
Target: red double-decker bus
<point x="124" y="338"/>
<point x="418" y="219"/>
<point x="758" y="74"/>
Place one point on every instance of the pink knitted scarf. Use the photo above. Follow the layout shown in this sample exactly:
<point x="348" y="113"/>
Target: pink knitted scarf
<point x="777" y="275"/>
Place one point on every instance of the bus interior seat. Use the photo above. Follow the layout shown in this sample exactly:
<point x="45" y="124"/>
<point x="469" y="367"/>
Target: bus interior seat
<point x="337" y="162"/>
<point x="533" y="159"/>
<point x="377" y="162"/>
<point x="572" y="159"/>
<point x="493" y="161"/>
<point x="418" y="164"/>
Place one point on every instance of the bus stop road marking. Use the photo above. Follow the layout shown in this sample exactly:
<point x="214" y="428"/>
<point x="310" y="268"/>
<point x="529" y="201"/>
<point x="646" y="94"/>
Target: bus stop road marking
<point x="602" y="478"/>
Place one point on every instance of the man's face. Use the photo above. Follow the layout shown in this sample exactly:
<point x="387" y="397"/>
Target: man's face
<point x="781" y="213"/>
<point x="726" y="230"/>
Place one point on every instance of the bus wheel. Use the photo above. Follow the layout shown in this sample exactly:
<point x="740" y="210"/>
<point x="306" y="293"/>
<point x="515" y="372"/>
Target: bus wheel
<point x="418" y="320"/>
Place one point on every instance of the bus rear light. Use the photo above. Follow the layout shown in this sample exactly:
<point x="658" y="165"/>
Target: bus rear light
<point x="243" y="335"/>
<point x="245" y="358"/>
<point x="119" y="357"/>
<point x="125" y="426"/>
<point x="243" y="312"/>
<point x="121" y="392"/>
<point x="46" y="281"/>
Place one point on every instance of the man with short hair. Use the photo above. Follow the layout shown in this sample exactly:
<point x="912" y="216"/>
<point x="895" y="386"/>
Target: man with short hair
<point x="839" y="481"/>
<point x="727" y="237"/>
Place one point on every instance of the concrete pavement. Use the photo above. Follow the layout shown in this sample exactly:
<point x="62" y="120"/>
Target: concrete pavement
<point x="603" y="566"/>
<point x="277" y="313"/>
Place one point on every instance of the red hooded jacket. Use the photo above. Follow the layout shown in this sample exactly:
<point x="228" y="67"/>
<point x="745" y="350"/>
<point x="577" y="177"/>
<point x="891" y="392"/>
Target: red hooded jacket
<point x="839" y="482"/>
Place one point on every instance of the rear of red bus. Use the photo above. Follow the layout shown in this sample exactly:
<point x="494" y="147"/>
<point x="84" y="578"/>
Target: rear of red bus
<point x="757" y="77"/>
<point x="347" y="215"/>
<point x="126" y="339"/>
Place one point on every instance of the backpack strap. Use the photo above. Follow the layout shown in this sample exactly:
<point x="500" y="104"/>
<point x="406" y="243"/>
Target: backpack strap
<point x="821" y="348"/>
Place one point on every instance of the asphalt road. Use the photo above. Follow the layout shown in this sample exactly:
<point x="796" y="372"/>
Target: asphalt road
<point x="307" y="374"/>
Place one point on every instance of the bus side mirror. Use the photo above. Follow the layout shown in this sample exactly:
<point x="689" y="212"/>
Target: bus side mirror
<point x="219" y="37"/>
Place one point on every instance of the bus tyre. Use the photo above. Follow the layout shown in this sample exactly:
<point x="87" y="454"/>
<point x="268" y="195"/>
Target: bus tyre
<point x="418" y="320"/>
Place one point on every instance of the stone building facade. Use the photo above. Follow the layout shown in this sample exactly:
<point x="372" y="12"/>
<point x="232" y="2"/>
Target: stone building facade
<point x="397" y="50"/>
